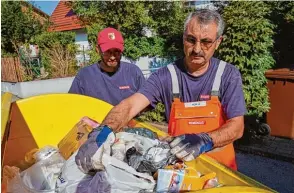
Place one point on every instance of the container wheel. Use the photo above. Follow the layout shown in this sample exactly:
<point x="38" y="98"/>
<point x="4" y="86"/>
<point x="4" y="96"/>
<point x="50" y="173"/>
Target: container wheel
<point x="264" y="129"/>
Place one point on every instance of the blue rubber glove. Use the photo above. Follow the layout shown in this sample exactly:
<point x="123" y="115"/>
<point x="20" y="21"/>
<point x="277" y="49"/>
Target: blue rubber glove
<point x="189" y="146"/>
<point x="86" y="152"/>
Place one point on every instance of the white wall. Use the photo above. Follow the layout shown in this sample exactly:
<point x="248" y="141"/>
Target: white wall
<point x="145" y="62"/>
<point x="200" y="4"/>
<point x="37" y="87"/>
<point x="81" y="40"/>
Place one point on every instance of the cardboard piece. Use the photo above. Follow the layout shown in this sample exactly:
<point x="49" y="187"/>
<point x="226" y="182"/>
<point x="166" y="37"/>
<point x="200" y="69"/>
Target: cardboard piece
<point x="76" y="137"/>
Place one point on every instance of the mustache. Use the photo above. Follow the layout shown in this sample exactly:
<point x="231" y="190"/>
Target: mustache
<point x="196" y="54"/>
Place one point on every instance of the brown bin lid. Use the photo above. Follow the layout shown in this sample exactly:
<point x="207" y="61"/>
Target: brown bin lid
<point x="283" y="73"/>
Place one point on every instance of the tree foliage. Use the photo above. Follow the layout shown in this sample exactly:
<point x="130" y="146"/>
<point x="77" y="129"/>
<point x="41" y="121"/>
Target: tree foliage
<point x="283" y="17"/>
<point x="17" y="26"/>
<point x="156" y="114"/>
<point x="150" y="28"/>
<point x="169" y="18"/>
<point x="248" y="43"/>
<point x="48" y="39"/>
<point x="56" y="46"/>
<point x="284" y="8"/>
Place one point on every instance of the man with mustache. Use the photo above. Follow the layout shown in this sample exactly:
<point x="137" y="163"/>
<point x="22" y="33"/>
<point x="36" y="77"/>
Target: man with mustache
<point x="202" y="95"/>
<point x="110" y="79"/>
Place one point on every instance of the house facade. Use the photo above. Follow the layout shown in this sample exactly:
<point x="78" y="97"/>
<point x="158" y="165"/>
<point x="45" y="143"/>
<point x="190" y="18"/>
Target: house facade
<point x="64" y="19"/>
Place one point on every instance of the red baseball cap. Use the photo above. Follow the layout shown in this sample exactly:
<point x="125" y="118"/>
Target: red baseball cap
<point x="110" y="38"/>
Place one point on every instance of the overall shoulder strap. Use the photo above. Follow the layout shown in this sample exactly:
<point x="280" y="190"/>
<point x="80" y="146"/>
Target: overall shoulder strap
<point x="217" y="79"/>
<point x="175" y="82"/>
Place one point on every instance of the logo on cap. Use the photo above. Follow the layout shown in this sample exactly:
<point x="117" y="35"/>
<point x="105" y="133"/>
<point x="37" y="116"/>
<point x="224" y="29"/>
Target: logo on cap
<point x="111" y="36"/>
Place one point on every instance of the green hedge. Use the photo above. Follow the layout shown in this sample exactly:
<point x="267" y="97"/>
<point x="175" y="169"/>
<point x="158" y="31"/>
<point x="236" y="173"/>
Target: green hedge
<point x="248" y="43"/>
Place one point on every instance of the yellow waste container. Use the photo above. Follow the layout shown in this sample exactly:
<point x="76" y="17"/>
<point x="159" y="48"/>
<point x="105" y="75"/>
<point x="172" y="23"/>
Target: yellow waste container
<point x="44" y="120"/>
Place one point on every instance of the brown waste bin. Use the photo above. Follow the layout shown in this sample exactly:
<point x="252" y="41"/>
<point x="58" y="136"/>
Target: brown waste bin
<point x="281" y="95"/>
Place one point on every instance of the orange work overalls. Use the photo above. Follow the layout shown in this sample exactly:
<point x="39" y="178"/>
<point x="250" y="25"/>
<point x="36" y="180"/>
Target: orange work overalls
<point x="201" y="116"/>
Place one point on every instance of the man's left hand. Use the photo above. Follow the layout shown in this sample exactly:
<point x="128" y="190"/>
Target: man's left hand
<point x="189" y="146"/>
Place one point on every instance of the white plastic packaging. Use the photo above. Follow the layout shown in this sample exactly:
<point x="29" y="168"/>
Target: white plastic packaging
<point x="40" y="177"/>
<point x="124" y="178"/>
<point x="70" y="176"/>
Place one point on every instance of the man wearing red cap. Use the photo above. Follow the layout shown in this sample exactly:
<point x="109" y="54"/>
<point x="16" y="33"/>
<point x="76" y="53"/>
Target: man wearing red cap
<point x="110" y="79"/>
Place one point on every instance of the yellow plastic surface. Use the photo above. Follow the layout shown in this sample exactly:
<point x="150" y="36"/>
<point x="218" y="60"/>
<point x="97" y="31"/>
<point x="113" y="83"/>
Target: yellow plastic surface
<point x="225" y="175"/>
<point x="5" y="109"/>
<point x="234" y="189"/>
<point x="50" y="117"/>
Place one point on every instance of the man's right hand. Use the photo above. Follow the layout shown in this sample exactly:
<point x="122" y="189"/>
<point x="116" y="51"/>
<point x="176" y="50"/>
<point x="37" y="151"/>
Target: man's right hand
<point x="84" y="157"/>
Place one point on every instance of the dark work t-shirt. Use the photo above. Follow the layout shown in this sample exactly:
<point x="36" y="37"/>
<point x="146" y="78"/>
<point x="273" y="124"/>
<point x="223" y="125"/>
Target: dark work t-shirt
<point x="158" y="87"/>
<point x="92" y="81"/>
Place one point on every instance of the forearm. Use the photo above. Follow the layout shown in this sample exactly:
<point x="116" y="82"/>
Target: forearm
<point x="118" y="117"/>
<point x="229" y="132"/>
<point x="127" y="109"/>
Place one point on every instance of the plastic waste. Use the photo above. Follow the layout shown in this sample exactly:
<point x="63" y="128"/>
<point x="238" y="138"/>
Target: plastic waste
<point x="142" y="144"/>
<point x="96" y="159"/>
<point x="142" y="132"/>
<point x="8" y="173"/>
<point x="70" y="176"/>
<point x="30" y="157"/>
<point x="45" y="153"/>
<point x="97" y="184"/>
<point x="90" y="122"/>
<point x="119" y="150"/>
<point x="40" y="177"/>
<point x="189" y="179"/>
<point x="122" y="142"/>
<point x="124" y="178"/>
<point x="211" y="183"/>
<point x="76" y="137"/>
<point x="155" y="158"/>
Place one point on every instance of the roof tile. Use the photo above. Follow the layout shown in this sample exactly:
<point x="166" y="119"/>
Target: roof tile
<point x="64" y="19"/>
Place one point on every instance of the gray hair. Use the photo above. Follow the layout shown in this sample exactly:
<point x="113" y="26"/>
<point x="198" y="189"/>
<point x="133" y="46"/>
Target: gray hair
<point x="206" y="16"/>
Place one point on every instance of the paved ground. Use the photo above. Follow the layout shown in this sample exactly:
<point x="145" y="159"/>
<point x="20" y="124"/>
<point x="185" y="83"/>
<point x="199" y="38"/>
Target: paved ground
<point x="270" y="146"/>
<point x="269" y="160"/>
<point x="273" y="173"/>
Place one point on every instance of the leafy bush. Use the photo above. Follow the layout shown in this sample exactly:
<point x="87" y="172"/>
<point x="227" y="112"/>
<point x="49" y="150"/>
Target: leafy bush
<point x="247" y="43"/>
<point x="283" y="17"/>
<point x="135" y="47"/>
<point x="17" y="26"/>
<point x="50" y="42"/>
<point x="154" y="115"/>
<point x="92" y="31"/>
<point x="150" y="28"/>
<point x="48" y="39"/>
<point x="168" y="23"/>
<point x="62" y="60"/>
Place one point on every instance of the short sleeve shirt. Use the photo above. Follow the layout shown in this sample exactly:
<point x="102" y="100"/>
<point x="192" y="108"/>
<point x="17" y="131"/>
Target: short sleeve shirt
<point x="158" y="87"/>
<point x="92" y="81"/>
